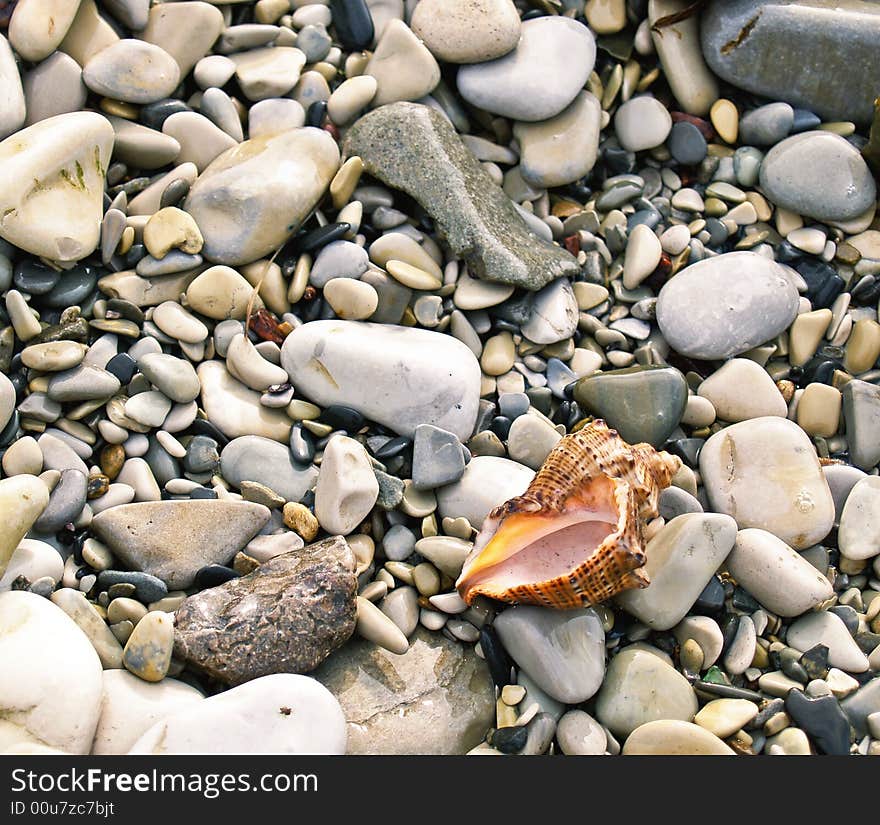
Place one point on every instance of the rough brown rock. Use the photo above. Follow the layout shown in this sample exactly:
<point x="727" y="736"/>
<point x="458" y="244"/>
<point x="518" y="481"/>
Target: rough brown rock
<point x="285" y="617"/>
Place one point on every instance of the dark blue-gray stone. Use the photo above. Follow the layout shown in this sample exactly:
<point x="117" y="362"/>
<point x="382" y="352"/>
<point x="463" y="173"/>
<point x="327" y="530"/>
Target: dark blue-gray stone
<point x="202" y="455"/>
<point x="73" y="287"/>
<point x="822" y="719"/>
<point x="353" y="23"/>
<point x="686" y="143"/>
<point x="254" y="458"/>
<point x="147" y="588"/>
<point x="861" y="704"/>
<point x="818" y="54"/>
<point x="65" y="502"/>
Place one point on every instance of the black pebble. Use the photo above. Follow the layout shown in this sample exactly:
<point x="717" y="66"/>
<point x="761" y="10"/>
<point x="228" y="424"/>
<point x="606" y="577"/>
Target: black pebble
<point x="341" y="417"/>
<point x="316" y="113"/>
<point x="822" y="719"/>
<point x="314" y="239"/>
<point x="214" y="574"/>
<point x="849" y="617"/>
<point x="353" y="23"/>
<point x="202" y="427"/>
<point x="155" y="114"/>
<point x="395" y="447"/>
<point x="687" y="449"/>
<point x="743" y="601"/>
<point x="510" y="739"/>
<point x="815" y="662"/>
<point x="34" y="278"/>
<point x="123" y="366"/>
<point x="302" y="444"/>
<point x="496" y="656"/>
<point x="203" y="493"/>
<point x="711" y="600"/>
<point x="501" y="426"/>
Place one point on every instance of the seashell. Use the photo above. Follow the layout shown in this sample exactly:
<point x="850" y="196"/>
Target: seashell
<point x="576" y="536"/>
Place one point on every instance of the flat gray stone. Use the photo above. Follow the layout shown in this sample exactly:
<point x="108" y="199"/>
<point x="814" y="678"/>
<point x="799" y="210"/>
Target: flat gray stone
<point x="254" y="458"/>
<point x="861" y="412"/>
<point x="437" y="698"/>
<point x="413" y="148"/>
<point x="766" y="125"/>
<point x="65" y="502"/>
<point x="843" y="191"/>
<point x="726" y="305"/>
<point x="285" y="617"/>
<point x="173" y="540"/>
<point x="437" y="457"/>
<point x="82" y="383"/>
<point x="174" y="377"/>
<point x="563" y="651"/>
<point x="339" y="259"/>
<point x="830" y="67"/>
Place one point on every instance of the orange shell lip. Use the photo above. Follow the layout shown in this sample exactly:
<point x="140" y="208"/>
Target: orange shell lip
<point x="575" y="537"/>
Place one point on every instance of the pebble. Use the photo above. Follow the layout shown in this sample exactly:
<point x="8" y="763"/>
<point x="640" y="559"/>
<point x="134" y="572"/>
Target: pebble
<point x="462" y="32"/>
<point x="91" y="623"/>
<point x="50" y="170"/>
<point x="403" y="67"/>
<point x="742" y="389"/>
<point x="437" y="457"/>
<point x="351" y="300"/>
<point x="348" y="362"/>
<point x="579" y="734"/>
<point x="823" y="719"/>
<point x="23" y="498"/>
<point x="561" y="149"/>
<point x="701" y="316"/>
<point x="641" y="687"/>
<point x="246" y="719"/>
<point x="173" y="540"/>
<point x="487" y="481"/>
<point x="765" y="473"/>
<point x="130" y="706"/>
<point x="34" y="560"/>
<point x="12" y="102"/>
<point x="724" y="717"/>
<point x="705" y="631"/>
<point x="513" y="86"/>
<point x="858" y="536"/>
<point x="682" y="558"/>
<point x="642" y="122"/>
<point x="671" y="737"/>
<point x="40" y="645"/>
<point x="847" y="189"/>
<point x="563" y="652"/>
<point x="828" y="629"/>
<point x="641" y="403"/>
<point x="262" y="460"/>
<point x="861" y="411"/>
<point x="274" y="209"/>
<point x="530" y="440"/>
<point x="346" y="489"/>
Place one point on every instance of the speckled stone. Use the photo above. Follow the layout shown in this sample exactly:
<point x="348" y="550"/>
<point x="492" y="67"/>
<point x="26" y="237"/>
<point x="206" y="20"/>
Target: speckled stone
<point x="415" y="149"/>
<point x="285" y="617"/>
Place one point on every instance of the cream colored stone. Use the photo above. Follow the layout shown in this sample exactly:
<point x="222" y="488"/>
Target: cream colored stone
<point x="351" y="299"/>
<point x="268" y="72"/>
<point x="201" y="141"/>
<point x="172" y="228"/>
<point x="220" y="293"/>
<point x="742" y="389"/>
<point x="499" y="354"/>
<point x="863" y="346"/>
<point x="412" y="276"/>
<point x="272" y="287"/>
<point x="404" y="69"/>
<point x="37" y="27"/>
<point x="52" y="185"/>
<point x="818" y="411"/>
<point x="674" y="738"/>
<point x="12" y="95"/>
<point x="399" y="247"/>
<point x="806" y="334"/>
<point x="185" y="30"/>
<point x="350" y="98"/>
<point x="724" y="717"/>
<point x="725" y="119"/>
<point x="468" y="31"/>
<point x="88" y="34"/>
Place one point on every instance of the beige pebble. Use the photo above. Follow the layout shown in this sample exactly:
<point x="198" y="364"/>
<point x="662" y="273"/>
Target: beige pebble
<point x="89" y="34"/>
<point x="345" y="181"/>
<point x="412" y="276"/>
<point x="23" y="456"/>
<point x="786" y="221"/>
<point x="725" y="119"/>
<point x="172" y="228"/>
<point x="499" y="354"/>
<point x="220" y="292"/>
<point x="301" y="520"/>
<point x="805" y="335"/>
<point x="54" y="355"/>
<point x="37" y="27"/>
<point x="403" y="68"/>
<point x="148" y="650"/>
<point x="475" y="293"/>
<point x="350" y="299"/>
<point x="24" y="323"/>
<point x="674" y="737"/>
<point x="201" y="141"/>
<point x="724" y="717"/>
<point x="863" y="346"/>
<point x="698" y="412"/>
<point x="374" y="626"/>
<point x="606" y="16"/>
<point x="808" y="239"/>
<point x="399" y="247"/>
<point x="350" y="98"/>
<point x="741" y="389"/>
<point x="589" y="295"/>
<point x="818" y="411"/>
<point x="273" y="288"/>
<point x="175" y="321"/>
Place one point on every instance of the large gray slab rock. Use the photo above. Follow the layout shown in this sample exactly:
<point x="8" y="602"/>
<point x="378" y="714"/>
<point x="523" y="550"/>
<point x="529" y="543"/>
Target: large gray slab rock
<point x="413" y="148"/>
<point x="833" y="70"/>
<point x="285" y="617"/>
<point x="173" y="540"/>
<point x="437" y="698"/>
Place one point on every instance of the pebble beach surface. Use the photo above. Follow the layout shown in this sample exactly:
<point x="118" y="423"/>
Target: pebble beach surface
<point x="295" y="292"/>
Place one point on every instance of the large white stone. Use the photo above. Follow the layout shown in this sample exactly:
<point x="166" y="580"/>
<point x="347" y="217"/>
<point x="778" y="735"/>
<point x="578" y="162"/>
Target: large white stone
<point x="828" y="629"/>
<point x="37" y="27"/>
<point x="859" y="533"/>
<point x="397" y="376"/>
<point x="12" y="102"/>
<point x="50" y="680"/>
<point x="777" y="576"/>
<point x="52" y="185"/>
<point x="34" y="560"/>
<point x="347" y="487"/>
<point x="22" y="499"/>
<point x="279" y="714"/>
<point x="130" y="706"/>
<point x="252" y="197"/>
<point x="765" y="473"/>
<point x="682" y="558"/>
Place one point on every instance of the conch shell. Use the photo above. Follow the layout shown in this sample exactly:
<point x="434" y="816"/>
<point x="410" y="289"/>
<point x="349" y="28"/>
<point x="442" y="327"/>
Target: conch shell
<point x="575" y="537"/>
